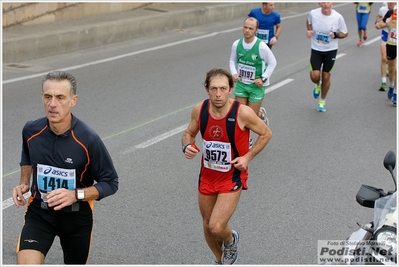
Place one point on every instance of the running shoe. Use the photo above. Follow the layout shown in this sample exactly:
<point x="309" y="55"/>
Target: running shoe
<point x="390" y="93"/>
<point x="251" y="143"/>
<point x="263" y="115"/>
<point x="230" y="253"/>
<point x="322" y="106"/>
<point x="383" y="87"/>
<point x="360" y="43"/>
<point x="216" y="262"/>
<point x="365" y="35"/>
<point x="316" y="91"/>
<point x="394" y="99"/>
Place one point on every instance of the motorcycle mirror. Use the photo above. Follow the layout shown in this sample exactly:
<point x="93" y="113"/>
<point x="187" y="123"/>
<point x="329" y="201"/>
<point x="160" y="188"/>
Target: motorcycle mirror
<point x="389" y="164"/>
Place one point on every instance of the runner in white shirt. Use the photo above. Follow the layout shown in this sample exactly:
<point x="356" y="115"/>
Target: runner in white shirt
<point x="324" y="26"/>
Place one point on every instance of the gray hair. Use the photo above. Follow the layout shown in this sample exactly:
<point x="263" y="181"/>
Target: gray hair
<point x="61" y="76"/>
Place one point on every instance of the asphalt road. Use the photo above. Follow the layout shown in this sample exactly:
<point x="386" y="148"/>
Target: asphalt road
<point x="138" y="96"/>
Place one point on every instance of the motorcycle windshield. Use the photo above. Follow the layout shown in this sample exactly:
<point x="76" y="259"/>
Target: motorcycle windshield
<point x="385" y="212"/>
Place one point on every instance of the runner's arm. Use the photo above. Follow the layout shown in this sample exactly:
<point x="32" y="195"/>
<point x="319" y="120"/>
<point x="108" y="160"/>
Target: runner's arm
<point x="191" y="132"/>
<point x="279" y="28"/>
<point x="23" y="187"/>
<point x="252" y="122"/>
<point x="233" y="59"/>
<point x="268" y="57"/>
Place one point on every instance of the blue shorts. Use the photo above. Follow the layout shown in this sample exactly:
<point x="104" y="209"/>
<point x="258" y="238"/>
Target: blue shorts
<point x="362" y="19"/>
<point x="384" y="36"/>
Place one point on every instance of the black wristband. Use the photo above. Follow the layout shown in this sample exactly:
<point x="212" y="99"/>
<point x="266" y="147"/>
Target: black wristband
<point x="336" y="35"/>
<point x="184" y="147"/>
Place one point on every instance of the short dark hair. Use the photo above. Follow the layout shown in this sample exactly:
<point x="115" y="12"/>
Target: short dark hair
<point x="218" y="72"/>
<point x="61" y="76"/>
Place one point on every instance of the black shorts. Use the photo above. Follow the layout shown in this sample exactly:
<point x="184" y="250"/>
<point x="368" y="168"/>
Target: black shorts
<point x="73" y="228"/>
<point x="391" y="52"/>
<point x="318" y="58"/>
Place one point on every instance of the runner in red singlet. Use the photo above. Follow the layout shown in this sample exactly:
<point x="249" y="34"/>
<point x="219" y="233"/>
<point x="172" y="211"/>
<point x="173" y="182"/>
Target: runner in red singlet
<point x="224" y="124"/>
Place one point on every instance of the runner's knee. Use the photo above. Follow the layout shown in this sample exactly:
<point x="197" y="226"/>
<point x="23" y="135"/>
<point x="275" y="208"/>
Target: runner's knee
<point x="29" y="256"/>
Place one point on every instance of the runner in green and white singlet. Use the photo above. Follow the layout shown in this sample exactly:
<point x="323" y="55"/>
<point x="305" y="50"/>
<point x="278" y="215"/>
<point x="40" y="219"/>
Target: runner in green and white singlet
<point x="251" y="64"/>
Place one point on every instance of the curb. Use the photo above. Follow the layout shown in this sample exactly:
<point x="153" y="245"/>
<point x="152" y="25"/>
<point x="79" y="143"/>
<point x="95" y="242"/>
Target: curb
<point x="52" y="40"/>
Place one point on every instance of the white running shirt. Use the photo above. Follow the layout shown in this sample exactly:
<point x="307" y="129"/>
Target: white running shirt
<point x="322" y="25"/>
<point x="381" y="12"/>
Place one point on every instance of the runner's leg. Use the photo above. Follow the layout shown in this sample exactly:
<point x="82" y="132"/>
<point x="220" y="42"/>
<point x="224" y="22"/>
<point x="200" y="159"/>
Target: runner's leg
<point x="216" y="212"/>
<point x="29" y="256"/>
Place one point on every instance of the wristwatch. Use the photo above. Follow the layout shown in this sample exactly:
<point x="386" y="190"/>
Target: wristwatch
<point x="80" y="194"/>
<point x="264" y="79"/>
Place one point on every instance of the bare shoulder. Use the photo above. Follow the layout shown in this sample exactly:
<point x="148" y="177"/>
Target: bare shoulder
<point x="196" y="112"/>
<point x="245" y="110"/>
<point x="196" y="109"/>
<point x="246" y="116"/>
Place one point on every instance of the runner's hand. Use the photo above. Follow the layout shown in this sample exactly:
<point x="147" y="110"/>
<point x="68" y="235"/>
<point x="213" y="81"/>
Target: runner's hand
<point x="240" y="163"/>
<point x="235" y="77"/>
<point x="61" y="198"/>
<point x="18" y="195"/>
<point x="191" y="151"/>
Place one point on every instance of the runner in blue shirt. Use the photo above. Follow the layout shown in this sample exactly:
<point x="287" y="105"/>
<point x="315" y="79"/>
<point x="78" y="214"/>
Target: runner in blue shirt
<point x="268" y="21"/>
